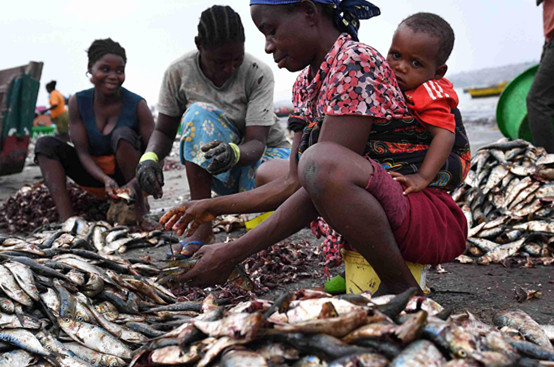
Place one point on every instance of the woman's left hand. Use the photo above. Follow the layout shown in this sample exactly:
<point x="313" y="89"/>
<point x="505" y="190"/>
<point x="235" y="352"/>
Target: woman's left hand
<point x="215" y="266"/>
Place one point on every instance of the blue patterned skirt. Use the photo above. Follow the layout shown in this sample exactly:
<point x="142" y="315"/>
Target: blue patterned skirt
<point x="203" y="123"/>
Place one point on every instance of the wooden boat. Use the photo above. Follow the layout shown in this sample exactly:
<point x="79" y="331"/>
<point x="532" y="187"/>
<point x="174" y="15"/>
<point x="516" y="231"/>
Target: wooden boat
<point x="283" y="111"/>
<point x="491" y="91"/>
<point x="18" y="96"/>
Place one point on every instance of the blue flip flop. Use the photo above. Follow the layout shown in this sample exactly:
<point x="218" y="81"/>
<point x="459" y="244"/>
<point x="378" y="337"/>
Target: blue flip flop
<point x="171" y="255"/>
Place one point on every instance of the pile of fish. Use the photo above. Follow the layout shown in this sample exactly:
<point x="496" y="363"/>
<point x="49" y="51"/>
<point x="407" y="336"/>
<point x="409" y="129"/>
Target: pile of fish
<point x="77" y="233"/>
<point x="311" y="328"/>
<point x="32" y="206"/>
<point x="507" y="198"/>
<point x="281" y="264"/>
<point x="74" y="307"/>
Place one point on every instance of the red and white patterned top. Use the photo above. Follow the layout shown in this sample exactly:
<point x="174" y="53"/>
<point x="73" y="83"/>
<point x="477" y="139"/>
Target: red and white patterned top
<point x="354" y="79"/>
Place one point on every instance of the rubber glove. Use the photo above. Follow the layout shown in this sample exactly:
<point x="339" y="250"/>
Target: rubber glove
<point x="150" y="175"/>
<point x="224" y="156"/>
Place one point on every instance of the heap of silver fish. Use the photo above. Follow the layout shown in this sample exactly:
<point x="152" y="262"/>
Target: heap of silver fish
<point x="312" y="328"/>
<point x="68" y="299"/>
<point x="507" y="198"/>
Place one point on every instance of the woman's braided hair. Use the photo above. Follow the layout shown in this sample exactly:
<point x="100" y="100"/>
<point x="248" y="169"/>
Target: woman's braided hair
<point x="218" y="26"/>
<point x="102" y="47"/>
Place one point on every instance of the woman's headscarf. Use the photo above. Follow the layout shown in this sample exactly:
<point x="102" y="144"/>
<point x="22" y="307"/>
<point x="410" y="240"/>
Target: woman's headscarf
<point x="346" y="15"/>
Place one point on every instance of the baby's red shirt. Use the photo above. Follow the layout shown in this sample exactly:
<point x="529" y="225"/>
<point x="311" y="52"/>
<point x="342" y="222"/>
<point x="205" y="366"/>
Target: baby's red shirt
<point x="432" y="103"/>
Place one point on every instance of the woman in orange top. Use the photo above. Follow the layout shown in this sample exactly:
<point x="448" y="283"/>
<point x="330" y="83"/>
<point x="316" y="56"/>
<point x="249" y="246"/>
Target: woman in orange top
<point x="57" y="109"/>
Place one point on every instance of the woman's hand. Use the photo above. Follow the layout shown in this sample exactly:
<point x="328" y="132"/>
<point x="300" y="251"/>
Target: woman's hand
<point x="215" y="266"/>
<point x="111" y="186"/>
<point x="413" y="183"/>
<point x="193" y="212"/>
<point x="150" y="178"/>
<point x="223" y="156"/>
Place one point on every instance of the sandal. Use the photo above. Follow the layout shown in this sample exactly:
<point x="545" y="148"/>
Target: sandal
<point x="171" y="255"/>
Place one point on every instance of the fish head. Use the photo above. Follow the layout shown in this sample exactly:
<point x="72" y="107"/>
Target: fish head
<point x="112" y="361"/>
<point x="462" y="344"/>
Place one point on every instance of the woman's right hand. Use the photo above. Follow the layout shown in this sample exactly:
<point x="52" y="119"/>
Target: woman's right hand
<point x="194" y="212"/>
<point x="150" y="178"/>
<point x="214" y="267"/>
<point x="110" y="185"/>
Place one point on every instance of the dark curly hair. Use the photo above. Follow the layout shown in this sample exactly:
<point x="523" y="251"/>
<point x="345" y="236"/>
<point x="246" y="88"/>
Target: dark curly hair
<point x="436" y="26"/>
<point x="51" y="85"/>
<point x="218" y="26"/>
<point x="102" y="47"/>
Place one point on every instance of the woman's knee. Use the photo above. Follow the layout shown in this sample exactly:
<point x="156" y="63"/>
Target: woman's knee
<point x="127" y="136"/>
<point x="48" y="146"/>
<point x="318" y="168"/>
<point x="330" y="166"/>
<point x="271" y="170"/>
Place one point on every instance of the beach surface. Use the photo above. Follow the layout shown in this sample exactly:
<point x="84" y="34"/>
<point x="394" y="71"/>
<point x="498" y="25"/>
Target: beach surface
<point x="481" y="290"/>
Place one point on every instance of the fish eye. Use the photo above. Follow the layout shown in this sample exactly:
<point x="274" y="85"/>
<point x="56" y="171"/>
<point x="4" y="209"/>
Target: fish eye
<point x="462" y="353"/>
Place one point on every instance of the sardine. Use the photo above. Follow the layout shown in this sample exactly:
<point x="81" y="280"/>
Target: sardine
<point x="14" y="322"/>
<point x="40" y="269"/>
<point x="93" y="357"/>
<point x="7" y="305"/>
<point x="496" y="176"/>
<point x="17" y="358"/>
<point x="483" y="244"/>
<point x="533" y="350"/>
<point x="98" y="239"/>
<point x="524" y="194"/>
<point x="94" y="285"/>
<point x="321" y="345"/>
<point x="10" y="287"/>
<point x="494" y="359"/>
<point x="219" y="346"/>
<point x="238" y="325"/>
<point x="242" y="358"/>
<point x="505" y="144"/>
<point x="95" y="338"/>
<point x="117" y="330"/>
<point x="175" y="355"/>
<point x="336" y="326"/>
<point x="67" y="301"/>
<point x="360" y="359"/>
<point x="419" y="353"/>
<point x="513" y="190"/>
<point x="451" y="337"/>
<point x="375" y="330"/>
<point x="536" y="226"/>
<point x="24" y="340"/>
<point x="501" y="252"/>
<point x="528" y="327"/>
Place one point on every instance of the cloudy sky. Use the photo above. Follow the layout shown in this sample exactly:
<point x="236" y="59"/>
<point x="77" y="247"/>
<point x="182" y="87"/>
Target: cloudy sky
<point x="57" y="32"/>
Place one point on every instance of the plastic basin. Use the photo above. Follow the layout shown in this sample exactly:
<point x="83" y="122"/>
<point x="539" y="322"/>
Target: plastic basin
<point x="511" y="111"/>
<point x="38" y="131"/>
<point x="361" y="277"/>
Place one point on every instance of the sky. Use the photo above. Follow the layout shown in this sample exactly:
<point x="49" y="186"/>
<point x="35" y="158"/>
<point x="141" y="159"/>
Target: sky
<point x="488" y="33"/>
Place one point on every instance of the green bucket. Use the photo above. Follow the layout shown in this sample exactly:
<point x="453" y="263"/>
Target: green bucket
<point x="511" y="111"/>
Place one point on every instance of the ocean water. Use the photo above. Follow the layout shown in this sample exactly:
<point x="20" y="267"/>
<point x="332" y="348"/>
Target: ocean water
<point x="479" y="117"/>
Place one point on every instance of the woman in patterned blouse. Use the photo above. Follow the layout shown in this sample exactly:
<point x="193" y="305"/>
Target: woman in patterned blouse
<point x="355" y="127"/>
